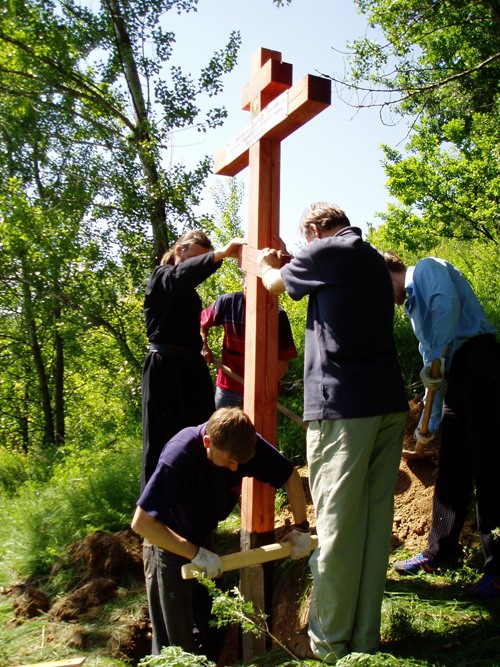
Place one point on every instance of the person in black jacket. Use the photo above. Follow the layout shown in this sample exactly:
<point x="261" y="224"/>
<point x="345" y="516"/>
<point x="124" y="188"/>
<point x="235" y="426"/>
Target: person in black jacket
<point x="177" y="388"/>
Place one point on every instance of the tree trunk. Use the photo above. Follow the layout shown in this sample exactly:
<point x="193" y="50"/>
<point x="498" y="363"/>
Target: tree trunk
<point x="43" y="385"/>
<point x="58" y="380"/>
<point x="144" y="140"/>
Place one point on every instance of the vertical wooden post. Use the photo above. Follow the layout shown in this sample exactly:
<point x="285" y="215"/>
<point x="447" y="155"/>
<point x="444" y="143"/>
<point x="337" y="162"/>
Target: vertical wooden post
<point x="277" y="109"/>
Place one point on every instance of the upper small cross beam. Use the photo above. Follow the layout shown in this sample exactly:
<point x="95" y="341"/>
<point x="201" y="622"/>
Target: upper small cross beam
<point x="277" y="108"/>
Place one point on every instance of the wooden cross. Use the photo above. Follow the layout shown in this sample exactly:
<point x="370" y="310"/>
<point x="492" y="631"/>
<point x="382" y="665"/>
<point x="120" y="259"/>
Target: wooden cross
<point x="277" y="109"/>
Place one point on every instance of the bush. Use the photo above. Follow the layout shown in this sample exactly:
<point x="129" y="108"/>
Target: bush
<point x="13" y="471"/>
<point x="87" y="492"/>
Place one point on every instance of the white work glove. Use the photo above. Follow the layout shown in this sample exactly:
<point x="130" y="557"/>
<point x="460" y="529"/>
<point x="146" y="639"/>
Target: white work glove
<point x="300" y="543"/>
<point x="430" y="382"/>
<point x="423" y="439"/>
<point x="208" y="562"/>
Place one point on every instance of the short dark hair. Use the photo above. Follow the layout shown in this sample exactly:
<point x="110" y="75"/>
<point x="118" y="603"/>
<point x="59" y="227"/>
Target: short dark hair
<point x="394" y="263"/>
<point x="231" y="431"/>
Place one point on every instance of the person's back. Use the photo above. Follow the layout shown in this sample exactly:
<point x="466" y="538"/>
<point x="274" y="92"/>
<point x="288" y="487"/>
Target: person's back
<point x="443" y="306"/>
<point x="355" y="406"/>
<point x="349" y="335"/>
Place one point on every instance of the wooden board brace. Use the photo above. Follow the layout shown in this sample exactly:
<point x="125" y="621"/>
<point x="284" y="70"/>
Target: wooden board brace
<point x="249" y="558"/>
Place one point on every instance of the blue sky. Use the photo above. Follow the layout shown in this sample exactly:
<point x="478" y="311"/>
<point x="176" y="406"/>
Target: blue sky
<point x="336" y="156"/>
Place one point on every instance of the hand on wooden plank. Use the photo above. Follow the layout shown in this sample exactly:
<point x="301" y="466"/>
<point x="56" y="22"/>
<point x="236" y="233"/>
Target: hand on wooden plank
<point x="250" y="558"/>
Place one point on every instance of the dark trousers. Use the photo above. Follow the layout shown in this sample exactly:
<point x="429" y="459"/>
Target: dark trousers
<point x="177" y="391"/>
<point x="179" y="609"/>
<point x="469" y="454"/>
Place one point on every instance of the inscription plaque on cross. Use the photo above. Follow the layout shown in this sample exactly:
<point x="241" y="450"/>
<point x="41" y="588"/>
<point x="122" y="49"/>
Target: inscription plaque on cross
<point x="277" y="108"/>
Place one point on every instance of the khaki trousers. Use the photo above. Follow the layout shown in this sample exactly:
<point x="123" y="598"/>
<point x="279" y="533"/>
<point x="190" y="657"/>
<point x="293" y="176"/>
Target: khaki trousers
<point x="353" y="464"/>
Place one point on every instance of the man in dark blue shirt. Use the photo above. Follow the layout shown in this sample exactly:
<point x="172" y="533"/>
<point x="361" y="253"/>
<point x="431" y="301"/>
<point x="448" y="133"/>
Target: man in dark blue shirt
<point x="355" y="406"/>
<point x="196" y="484"/>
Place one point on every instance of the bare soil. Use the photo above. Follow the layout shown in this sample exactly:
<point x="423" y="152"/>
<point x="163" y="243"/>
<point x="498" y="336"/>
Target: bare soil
<point x="102" y="565"/>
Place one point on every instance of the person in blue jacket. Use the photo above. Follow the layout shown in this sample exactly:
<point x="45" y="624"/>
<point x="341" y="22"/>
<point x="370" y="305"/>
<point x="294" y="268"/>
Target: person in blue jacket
<point x="451" y="325"/>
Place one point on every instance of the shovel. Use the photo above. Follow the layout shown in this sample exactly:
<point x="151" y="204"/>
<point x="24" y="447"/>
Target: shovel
<point x="418" y="453"/>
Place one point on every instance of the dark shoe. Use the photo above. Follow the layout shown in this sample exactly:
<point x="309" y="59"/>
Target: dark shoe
<point x="487" y="587"/>
<point x="417" y="564"/>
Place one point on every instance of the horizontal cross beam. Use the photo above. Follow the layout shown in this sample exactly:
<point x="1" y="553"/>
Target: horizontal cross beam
<point x="280" y="118"/>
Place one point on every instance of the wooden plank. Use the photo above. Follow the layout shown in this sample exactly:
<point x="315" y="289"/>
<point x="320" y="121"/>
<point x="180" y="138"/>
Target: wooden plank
<point x="252" y="587"/>
<point x="249" y="257"/>
<point x="73" y="662"/>
<point x="303" y="101"/>
<point x="261" y="334"/>
<point x="243" y="559"/>
<point x="273" y="78"/>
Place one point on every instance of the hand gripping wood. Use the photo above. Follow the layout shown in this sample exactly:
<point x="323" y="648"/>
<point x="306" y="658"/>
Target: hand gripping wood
<point x="250" y="558"/>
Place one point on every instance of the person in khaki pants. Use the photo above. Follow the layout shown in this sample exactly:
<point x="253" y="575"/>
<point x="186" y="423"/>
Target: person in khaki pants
<point x="355" y="406"/>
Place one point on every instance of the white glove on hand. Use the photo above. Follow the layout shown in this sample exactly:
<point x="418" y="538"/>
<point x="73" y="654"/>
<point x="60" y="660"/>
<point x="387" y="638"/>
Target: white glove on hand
<point x="300" y="543"/>
<point x="424" y="439"/>
<point x="430" y="382"/>
<point x="208" y="562"/>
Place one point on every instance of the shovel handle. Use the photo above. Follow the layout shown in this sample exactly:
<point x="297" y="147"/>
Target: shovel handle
<point x="434" y="373"/>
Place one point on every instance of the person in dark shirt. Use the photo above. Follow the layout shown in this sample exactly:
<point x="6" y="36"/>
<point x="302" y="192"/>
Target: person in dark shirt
<point x="177" y="389"/>
<point x="196" y="484"/>
<point x="228" y="311"/>
<point x="355" y="406"/>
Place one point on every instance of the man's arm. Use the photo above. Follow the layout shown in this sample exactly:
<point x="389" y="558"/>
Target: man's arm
<point x="207" y="320"/>
<point x="300" y="536"/>
<point x="206" y="352"/>
<point x="269" y="263"/>
<point x="157" y="533"/>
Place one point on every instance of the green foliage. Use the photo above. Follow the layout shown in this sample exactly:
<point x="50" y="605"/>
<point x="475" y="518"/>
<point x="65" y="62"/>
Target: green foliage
<point x="174" y="656"/>
<point x="87" y="106"/>
<point x="88" y="491"/>
<point x="439" y="63"/>
<point x="13" y="471"/>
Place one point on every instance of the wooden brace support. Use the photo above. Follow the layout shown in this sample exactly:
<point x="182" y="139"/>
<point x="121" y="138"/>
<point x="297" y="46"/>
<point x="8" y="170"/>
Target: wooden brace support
<point x="250" y="558"/>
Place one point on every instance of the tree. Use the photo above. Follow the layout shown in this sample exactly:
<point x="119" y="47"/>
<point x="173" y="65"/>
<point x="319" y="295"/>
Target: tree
<point x="107" y="67"/>
<point x="440" y="66"/>
<point x="86" y="109"/>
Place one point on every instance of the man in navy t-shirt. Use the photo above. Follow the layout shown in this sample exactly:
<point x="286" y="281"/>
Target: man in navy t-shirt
<point x="355" y="406"/>
<point x="196" y="484"/>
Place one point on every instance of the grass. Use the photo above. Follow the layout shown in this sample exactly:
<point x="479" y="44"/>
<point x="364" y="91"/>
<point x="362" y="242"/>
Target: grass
<point x="428" y="621"/>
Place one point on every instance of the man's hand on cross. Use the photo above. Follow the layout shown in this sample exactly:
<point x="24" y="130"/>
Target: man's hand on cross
<point x="269" y="261"/>
<point x="269" y="258"/>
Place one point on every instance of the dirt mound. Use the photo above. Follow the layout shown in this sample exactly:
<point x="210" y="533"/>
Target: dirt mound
<point x="77" y="604"/>
<point x="97" y="566"/>
<point x="114" y="555"/>
<point x="29" y="601"/>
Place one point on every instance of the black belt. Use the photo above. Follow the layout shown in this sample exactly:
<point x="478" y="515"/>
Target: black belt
<point x="173" y="350"/>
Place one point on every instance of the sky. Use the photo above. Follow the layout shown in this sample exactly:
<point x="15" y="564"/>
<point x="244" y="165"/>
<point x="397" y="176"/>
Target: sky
<point x="336" y="156"/>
